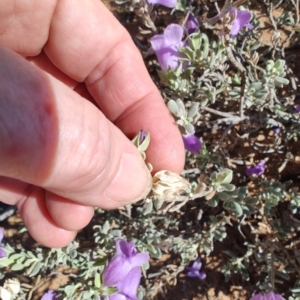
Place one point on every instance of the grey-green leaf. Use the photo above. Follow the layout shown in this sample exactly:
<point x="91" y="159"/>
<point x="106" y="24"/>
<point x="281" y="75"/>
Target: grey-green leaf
<point x="234" y="207"/>
<point x="224" y="176"/>
<point x="279" y="81"/>
<point x="193" y="110"/>
<point x="212" y="202"/>
<point x="227" y="187"/>
<point x="34" y="269"/>
<point x="17" y="267"/>
<point x="147" y="207"/>
<point x="172" y="107"/>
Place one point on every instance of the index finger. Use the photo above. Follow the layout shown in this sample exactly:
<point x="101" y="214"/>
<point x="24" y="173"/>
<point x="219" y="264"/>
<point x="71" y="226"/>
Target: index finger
<point x="88" y="44"/>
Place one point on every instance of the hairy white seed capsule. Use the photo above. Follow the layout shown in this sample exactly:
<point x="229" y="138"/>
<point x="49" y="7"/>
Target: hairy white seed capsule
<point x="168" y="185"/>
<point x="12" y="285"/>
<point x="5" y="294"/>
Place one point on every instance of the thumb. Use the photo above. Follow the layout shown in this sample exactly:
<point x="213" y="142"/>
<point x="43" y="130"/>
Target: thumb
<point x="55" y="139"/>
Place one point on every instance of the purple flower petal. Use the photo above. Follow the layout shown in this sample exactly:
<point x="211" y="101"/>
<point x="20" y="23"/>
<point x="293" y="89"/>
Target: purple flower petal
<point x="50" y="295"/>
<point x="129" y="252"/>
<point x="143" y="135"/>
<point x="197" y="264"/>
<point x="192" y="143"/>
<point x="1" y="234"/>
<point x="123" y="262"/>
<point x="116" y="270"/>
<point x="166" y="3"/>
<point x="191" y="24"/>
<point x="125" y="248"/>
<point x="273" y="296"/>
<point x="202" y="275"/>
<point x="139" y="259"/>
<point x="235" y="29"/>
<point x="173" y="34"/>
<point x="297" y="108"/>
<point x="257" y="297"/>
<point x="128" y="287"/>
<point x="269" y="296"/>
<point x="244" y="17"/>
<point x="241" y="20"/>
<point x="256" y="170"/>
<point x="232" y="11"/>
<point x="194" y="270"/>
<point x="2" y="253"/>
<point x="166" y="46"/>
<point x="276" y="129"/>
<point x="131" y="282"/>
<point x="196" y="273"/>
<point x="249" y="26"/>
<point x="117" y="296"/>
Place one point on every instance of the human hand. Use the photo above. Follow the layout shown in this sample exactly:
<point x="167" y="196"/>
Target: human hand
<point x="60" y="154"/>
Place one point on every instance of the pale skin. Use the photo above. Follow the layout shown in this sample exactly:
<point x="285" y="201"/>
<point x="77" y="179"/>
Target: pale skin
<point x="66" y="112"/>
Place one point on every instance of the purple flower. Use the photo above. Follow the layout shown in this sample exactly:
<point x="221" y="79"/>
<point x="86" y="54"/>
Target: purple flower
<point x="166" y="46"/>
<point x="276" y="130"/>
<point x="297" y="108"/>
<point x="269" y="296"/>
<point x="241" y="20"/>
<point x="167" y="3"/>
<point x="2" y="252"/>
<point x="50" y="295"/>
<point x="123" y="262"/>
<point x="191" y="24"/>
<point x="192" y="143"/>
<point x="194" y="270"/>
<point x="128" y="287"/>
<point x="256" y="170"/>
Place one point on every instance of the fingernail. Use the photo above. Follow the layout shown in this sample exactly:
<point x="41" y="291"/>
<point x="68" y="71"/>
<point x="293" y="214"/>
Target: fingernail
<point x="133" y="181"/>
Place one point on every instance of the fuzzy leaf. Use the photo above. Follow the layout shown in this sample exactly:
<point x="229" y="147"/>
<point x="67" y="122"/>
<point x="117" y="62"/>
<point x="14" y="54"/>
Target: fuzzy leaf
<point x="224" y="176"/>
<point x="87" y="294"/>
<point x="34" y="269"/>
<point x="224" y="196"/>
<point x="251" y="200"/>
<point x="147" y="207"/>
<point x="279" y="81"/>
<point x="97" y="281"/>
<point x="173" y="107"/>
<point x="234" y="207"/>
<point x="227" y="187"/>
<point x="212" y="202"/>
<point x="17" y="267"/>
<point x="283" y="275"/>
<point x="5" y="262"/>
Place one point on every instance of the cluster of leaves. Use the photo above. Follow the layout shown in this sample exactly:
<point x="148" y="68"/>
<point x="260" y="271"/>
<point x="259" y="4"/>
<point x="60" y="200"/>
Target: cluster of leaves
<point x="224" y="83"/>
<point x="221" y="84"/>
